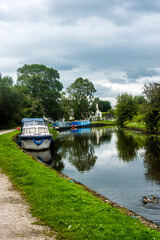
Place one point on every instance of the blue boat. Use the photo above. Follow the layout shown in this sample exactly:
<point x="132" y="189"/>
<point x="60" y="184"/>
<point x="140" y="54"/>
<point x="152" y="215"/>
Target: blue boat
<point x="34" y="134"/>
<point x="80" y="124"/>
<point x="62" y="125"/>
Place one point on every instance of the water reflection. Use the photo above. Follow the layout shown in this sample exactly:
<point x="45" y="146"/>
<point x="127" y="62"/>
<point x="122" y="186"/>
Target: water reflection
<point x="44" y="156"/>
<point x="78" y="148"/>
<point x="48" y="157"/>
<point x="121" y="165"/>
<point x="152" y="158"/>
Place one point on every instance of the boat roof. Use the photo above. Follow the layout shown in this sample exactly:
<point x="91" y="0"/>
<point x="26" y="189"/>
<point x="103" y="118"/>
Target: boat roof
<point x="32" y="119"/>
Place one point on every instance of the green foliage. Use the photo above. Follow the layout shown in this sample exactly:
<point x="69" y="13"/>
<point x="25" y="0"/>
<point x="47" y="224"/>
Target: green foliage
<point x="135" y="125"/>
<point x="10" y="103"/>
<point x="81" y="95"/>
<point x="65" y="105"/>
<point x="139" y="99"/>
<point x="65" y="206"/>
<point x="138" y="118"/>
<point x="104" y="106"/>
<point x="41" y="85"/>
<point x="125" y="108"/>
<point x="152" y="106"/>
<point x="152" y="120"/>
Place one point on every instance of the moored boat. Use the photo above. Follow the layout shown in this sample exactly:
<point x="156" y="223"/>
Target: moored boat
<point x="62" y="125"/>
<point x="34" y="134"/>
<point x="80" y="124"/>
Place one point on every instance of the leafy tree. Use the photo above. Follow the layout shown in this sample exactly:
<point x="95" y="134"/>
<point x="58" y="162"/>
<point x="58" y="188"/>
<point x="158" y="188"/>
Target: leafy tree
<point x="152" y="106"/>
<point x="81" y="94"/>
<point x="104" y="106"/>
<point x="125" y="108"/>
<point x="8" y="81"/>
<point x="42" y="86"/>
<point x="66" y="110"/>
<point x="10" y="103"/>
<point x="139" y="99"/>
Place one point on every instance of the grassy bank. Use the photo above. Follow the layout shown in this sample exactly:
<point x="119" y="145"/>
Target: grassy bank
<point x="63" y="205"/>
<point x="104" y="122"/>
<point x="135" y="125"/>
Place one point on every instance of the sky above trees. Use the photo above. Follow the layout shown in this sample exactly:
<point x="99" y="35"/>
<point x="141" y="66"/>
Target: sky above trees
<point x="115" y="44"/>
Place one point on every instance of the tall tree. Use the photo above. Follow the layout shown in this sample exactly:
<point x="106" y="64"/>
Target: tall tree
<point x="81" y="94"/>
<point x="152" y="106"/>
<point x="42" y="85"/>
<point x="104" y="106"/>
<point x="125" y="108"/>
<point x="10" y="103"/>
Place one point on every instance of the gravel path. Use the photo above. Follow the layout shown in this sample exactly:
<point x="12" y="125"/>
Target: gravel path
<point x="16" y="222"/>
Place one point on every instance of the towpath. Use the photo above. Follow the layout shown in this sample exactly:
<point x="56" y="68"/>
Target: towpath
<point x="16" y="221"/>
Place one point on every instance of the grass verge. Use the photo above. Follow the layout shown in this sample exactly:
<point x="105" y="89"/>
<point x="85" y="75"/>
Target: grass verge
<point x="135" y="125"/>
<point x="104" y="122"/>
<point x="63" y="205"/>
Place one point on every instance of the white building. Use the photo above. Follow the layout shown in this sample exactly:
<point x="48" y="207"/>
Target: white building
<point x="98" y="112"/>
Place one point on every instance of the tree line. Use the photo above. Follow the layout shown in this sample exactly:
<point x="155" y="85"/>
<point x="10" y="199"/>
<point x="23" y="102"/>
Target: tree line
<point x="38" y="92"/>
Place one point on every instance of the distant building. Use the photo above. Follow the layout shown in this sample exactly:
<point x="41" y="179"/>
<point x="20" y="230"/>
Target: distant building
<point x="98" y="112"/>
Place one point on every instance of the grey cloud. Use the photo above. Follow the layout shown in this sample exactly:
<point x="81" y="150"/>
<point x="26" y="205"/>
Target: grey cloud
<point x="115" y="10"/>
<point x="136" y="74"/>
<point x="104" y="92"/>
<point x="145" y="6"/>
<point x="119" y="80"/>
<point x="120" y="12"/>
<point x="56" y="63"/>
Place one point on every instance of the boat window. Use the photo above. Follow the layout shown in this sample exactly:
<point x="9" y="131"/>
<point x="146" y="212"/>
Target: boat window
<point x="31" y="130"/>
<point x="42" y="130"/>
<point x="31" y="123"/>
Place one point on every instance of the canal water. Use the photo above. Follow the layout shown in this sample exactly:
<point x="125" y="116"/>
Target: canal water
<point x="124" y="166"/>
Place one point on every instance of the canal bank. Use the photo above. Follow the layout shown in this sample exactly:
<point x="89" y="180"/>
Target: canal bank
<point x="63" y="205"/>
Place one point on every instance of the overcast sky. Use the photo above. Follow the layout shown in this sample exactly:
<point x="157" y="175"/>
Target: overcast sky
<point x="113" y="43"/>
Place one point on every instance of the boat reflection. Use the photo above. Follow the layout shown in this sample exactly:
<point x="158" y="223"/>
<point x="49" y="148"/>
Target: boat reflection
<point x="44" y="156"/>
<point x="49" y="158"/>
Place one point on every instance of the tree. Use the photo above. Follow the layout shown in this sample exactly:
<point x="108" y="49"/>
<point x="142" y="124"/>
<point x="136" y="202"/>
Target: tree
<point x="10" y="103"/>
<point x="125" y="108"/>
<point x="152" y="106"/>
<point x="81" y="95"/>
<point x="104" y="106"/>
<point x="66" y="110"/>
<point x="42" y="86"/>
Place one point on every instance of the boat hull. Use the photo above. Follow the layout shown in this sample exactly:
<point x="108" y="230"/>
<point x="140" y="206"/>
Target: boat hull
<point x="62" y="128"/>
<point x="80" y="124"/>
<point x="35" y="142"/>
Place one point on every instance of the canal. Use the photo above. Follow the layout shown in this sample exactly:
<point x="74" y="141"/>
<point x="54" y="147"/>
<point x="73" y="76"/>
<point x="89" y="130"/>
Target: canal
<point x="124" y="166"/>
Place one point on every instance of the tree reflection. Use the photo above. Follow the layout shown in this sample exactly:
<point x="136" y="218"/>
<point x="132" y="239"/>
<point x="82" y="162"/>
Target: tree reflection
<point x="152" y="158"/>
<point x="127" y="146"/>
<point x="78" y="146"/>
<point x="57" y="162"/>
<point x="82" y="153"/>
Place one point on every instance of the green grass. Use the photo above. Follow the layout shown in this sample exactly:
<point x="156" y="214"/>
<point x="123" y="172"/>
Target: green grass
<point x="104" y="122"/>
<point x="136" y="125"/>
<point x="63" y="205"/>
<point x="53" y="132"/>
